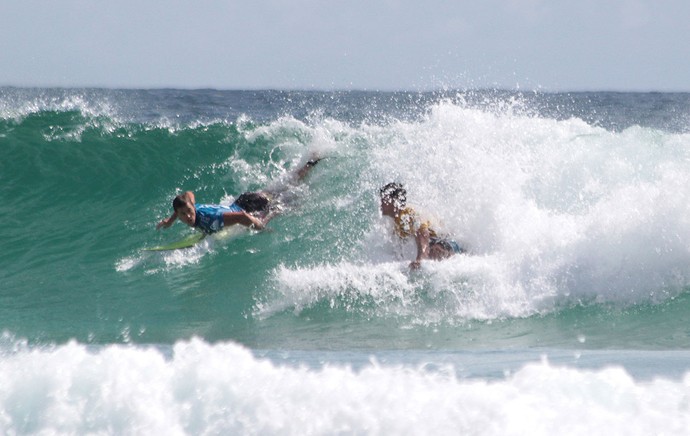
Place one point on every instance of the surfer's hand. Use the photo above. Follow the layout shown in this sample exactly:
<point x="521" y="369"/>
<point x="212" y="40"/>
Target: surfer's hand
<point x="257" y="226"/>
<point x="164" y="224"/>
<point x="255" y="222"/>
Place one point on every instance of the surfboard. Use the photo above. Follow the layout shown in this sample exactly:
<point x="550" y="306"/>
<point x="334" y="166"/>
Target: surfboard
<point x="193" y="239"/>
<point x="186" y="242"/>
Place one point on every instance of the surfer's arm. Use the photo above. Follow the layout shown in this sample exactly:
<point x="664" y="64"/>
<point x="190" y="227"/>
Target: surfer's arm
<point x="167" y="222"/>
<point x="189" y="197"/>
<point x="242" y="218"/>
<point x="422" y="238"/>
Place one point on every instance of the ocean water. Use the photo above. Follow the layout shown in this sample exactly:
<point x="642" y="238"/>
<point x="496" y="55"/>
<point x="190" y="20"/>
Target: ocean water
<point x="568" y="315"/>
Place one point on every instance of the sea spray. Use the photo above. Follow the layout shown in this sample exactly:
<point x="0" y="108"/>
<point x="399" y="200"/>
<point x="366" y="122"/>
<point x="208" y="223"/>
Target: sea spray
<point x="558" y="212"/>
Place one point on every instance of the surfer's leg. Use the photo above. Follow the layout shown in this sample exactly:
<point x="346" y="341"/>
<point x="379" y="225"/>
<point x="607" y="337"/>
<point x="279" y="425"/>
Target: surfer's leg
<point x="284" y="193"/>
<point x="302" y="172"/>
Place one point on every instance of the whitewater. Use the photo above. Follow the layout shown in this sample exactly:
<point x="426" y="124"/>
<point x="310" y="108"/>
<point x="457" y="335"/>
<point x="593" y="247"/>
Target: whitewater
<point x="567" y="315"/>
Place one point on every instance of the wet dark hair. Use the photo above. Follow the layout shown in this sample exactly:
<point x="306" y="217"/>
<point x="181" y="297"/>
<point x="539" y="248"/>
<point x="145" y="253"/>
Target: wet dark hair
<point x="395" y="191"/>
<point x="178" y="202"/>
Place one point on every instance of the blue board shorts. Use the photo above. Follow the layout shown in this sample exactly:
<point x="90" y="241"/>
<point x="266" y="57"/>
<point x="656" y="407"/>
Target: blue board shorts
<point x="209" y="217"/>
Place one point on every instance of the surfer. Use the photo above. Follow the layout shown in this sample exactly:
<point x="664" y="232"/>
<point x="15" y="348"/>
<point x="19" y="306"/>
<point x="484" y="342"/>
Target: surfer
<point x="251" y="209"/>
<point x="408" y="223"/>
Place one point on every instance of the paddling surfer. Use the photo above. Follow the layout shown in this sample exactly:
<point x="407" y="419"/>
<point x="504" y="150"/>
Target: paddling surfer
<point x="251" y="209"/>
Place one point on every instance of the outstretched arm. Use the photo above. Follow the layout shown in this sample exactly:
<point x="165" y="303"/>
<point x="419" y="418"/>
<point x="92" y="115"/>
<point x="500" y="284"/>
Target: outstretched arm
<point x="167" y="222"/>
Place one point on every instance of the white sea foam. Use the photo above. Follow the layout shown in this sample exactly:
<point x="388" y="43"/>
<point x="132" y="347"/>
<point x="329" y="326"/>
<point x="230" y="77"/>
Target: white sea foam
<point x="552" y="212"/>
<point x="345" y="285"/>
<point x="224" y="389"/>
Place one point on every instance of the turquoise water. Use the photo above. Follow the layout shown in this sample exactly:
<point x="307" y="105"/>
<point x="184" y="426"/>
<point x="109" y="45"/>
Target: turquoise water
<point x="573" y="208"/>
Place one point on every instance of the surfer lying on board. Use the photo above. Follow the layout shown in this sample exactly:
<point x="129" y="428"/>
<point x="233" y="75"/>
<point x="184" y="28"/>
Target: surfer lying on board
<point x="251" y="209"/>
<point x="409" y="223"/>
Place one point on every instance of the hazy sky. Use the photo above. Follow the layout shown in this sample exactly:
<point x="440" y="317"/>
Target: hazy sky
<point x="553" y="45"/>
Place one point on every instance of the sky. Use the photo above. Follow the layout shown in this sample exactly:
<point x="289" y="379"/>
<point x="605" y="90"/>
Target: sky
<point x="548" y="45"/>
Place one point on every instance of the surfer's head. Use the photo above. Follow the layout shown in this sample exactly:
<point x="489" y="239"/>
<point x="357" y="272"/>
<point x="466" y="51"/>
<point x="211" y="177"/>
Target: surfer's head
<point x="184" y="210"/>
<point x="393" y="198"/>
